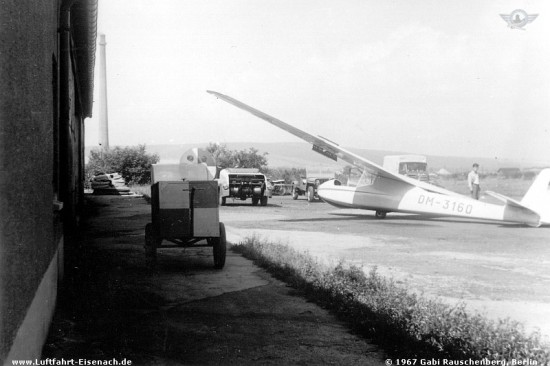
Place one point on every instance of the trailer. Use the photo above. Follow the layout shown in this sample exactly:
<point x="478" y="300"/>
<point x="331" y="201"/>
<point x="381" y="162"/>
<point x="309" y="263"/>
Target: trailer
<point x="186" y="214"/>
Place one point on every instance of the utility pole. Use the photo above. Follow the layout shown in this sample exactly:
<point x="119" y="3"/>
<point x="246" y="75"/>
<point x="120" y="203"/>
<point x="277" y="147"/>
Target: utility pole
<point x="103" y="113"/>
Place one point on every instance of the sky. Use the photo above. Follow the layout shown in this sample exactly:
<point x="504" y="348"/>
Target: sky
<point x="434" y="77"/>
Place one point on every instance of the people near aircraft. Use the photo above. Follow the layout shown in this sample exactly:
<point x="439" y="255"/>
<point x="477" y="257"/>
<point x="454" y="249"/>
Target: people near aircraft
<point x="473" y="181"/>
<point x="383" y="191"/>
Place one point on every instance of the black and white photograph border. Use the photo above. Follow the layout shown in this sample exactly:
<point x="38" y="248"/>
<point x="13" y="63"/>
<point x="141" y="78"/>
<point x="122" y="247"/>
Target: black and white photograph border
<point x="381" y="167"/>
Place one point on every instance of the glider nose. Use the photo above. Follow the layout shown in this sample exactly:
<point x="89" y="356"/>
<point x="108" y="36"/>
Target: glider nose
<point x="324" y="188"/>
<point x="336" y="194"/>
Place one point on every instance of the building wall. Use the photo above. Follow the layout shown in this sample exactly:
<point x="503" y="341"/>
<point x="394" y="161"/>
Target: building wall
<point x="39" y="165"/>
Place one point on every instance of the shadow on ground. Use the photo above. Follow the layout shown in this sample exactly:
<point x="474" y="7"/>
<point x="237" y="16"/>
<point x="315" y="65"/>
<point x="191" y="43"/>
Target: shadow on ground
<point x="181" y="310"/>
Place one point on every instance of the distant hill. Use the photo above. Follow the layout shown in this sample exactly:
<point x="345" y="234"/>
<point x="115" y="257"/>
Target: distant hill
<point x="300" y="155"/>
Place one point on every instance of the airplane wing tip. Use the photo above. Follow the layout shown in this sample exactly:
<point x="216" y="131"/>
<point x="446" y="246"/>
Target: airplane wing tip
<point x="215" y="93"/>
<point x="222" y="96"/>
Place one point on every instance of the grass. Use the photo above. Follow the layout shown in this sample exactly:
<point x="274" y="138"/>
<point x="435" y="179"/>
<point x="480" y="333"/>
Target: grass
<point x="514" y="188"/>
<point x="406" y="324"/>
<point x="144" y="190"/>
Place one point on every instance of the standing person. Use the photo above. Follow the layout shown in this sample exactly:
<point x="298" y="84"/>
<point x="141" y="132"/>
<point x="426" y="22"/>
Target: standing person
<point x="473" y="181"/>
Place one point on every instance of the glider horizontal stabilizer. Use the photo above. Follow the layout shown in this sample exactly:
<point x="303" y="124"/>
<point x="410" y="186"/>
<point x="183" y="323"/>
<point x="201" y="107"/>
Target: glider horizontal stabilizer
<point x="516" y="211"/>
<point x="505" y="199"/>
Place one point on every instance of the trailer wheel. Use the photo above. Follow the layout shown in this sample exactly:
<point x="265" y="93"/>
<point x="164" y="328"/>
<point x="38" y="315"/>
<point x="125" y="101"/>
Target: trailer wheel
<point x="255" y="201"/>
<point x="220" y="248"/>
<point x="310" y="194"/>
<point x="263" y="201"/>
<point x="295" y="194"/>
<point x="150" y="241"/>
<point x="380" y="214"/>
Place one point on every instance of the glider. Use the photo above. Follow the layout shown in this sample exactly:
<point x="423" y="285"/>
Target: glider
<point x="382" y="191"/>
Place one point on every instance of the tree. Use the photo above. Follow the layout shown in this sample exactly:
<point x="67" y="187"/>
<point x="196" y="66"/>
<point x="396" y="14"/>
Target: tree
<point x="288" y="174"/>
<point x="132" y="162"/>
<point x="246" y="158"/>
<point x="223" y="157"/>
<point x="250" y="159"/>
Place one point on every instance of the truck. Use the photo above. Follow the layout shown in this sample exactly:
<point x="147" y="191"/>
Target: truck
<point x="244" y="183"/>
<point x="413" y="166"/>
<point x="308" y="185"/>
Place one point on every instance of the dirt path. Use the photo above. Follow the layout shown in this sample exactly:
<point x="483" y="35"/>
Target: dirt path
<point x="182" y="311"/>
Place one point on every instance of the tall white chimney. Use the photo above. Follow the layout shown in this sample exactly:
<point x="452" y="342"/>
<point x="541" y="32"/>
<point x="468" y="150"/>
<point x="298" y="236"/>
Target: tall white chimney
<point x="103" y="114"/>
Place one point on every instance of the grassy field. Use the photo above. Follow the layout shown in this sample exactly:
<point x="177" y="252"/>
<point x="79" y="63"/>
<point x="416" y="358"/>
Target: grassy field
<point x="406" y="324"/>
<point x="514" y="188"/>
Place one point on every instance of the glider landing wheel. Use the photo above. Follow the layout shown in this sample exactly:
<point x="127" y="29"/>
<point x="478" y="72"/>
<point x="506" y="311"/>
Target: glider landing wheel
<point x="380" y="214"/>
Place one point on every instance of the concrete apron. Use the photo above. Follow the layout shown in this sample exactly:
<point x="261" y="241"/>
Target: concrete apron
<point x="238" y="274"/>
<point x="183" y="311"/>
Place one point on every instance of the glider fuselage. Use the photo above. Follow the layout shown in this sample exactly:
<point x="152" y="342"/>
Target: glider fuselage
<point x="395" y="196"/>
<point x="383" y="191"/>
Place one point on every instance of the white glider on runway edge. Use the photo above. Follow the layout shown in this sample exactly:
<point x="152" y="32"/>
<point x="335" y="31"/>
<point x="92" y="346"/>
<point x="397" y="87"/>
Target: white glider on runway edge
<point x="383" y="191"/>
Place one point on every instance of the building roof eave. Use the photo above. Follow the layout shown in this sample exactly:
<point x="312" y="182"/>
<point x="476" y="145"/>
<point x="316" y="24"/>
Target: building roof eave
<point x="84" y="34"/>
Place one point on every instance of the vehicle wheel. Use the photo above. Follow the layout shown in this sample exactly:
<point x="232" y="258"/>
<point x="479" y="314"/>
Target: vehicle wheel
<point x="220" y="248"/>
<point x="263" y="201"/>
<point x="255" y="201"/>
<point x="150" y="241"/>
<point x="223" y="203"/>
<point x="380" y="214"/>
<point x="310" y="194"/>
<point x="294" y="194"/>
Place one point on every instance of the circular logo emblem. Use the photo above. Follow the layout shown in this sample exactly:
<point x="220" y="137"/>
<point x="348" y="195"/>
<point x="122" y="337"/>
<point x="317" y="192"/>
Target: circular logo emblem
<point x="190" y="158"/>
<point x="518" y="18"/>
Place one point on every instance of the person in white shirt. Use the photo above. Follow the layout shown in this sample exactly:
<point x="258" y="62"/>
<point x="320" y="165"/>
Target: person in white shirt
<point x="473" y="181"/>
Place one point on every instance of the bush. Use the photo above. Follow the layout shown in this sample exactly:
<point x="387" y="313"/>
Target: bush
<point x="409" y="325"/>
<point x="288" y="174"/>
<point x="132" y="162"/>
<point x="226" y="158"/>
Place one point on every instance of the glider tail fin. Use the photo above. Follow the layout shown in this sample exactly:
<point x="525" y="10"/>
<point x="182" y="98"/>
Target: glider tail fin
<point x="537" y="197"/>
